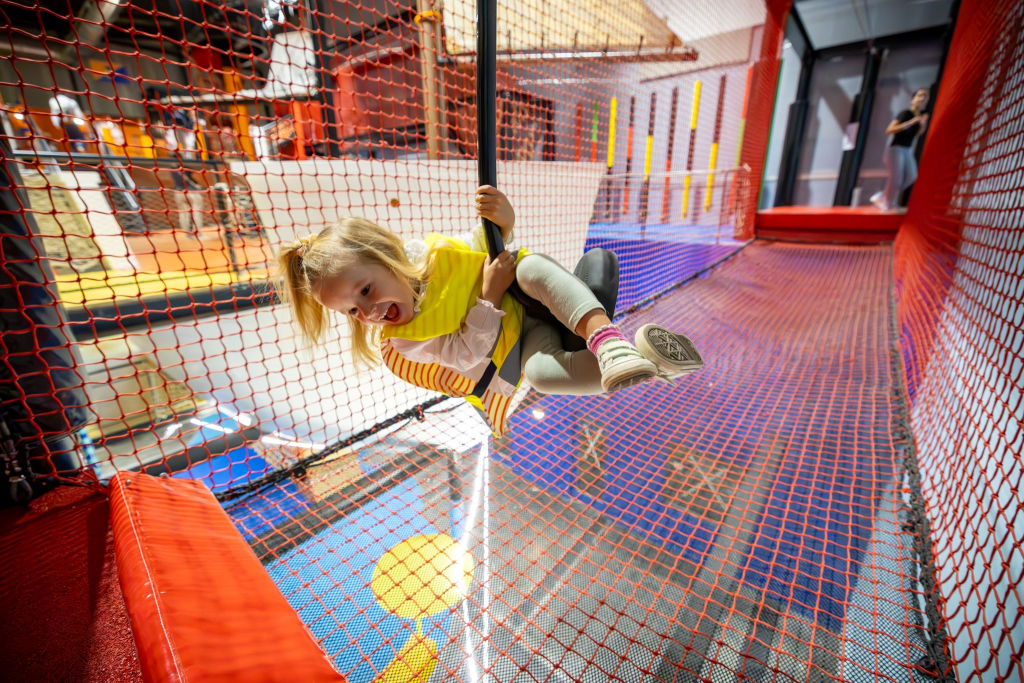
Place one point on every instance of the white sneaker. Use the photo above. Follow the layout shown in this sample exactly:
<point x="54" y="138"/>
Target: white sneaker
<point x="878" y="199"/>
<point x="674" y="354"/>
<point x="622" y="365"/>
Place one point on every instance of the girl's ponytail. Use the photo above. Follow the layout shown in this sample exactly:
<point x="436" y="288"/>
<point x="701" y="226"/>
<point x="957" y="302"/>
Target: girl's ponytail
<point x="294" y="286"/>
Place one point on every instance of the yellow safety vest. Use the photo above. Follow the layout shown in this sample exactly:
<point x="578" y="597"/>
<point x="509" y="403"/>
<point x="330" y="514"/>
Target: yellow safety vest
<point x="454" y="286"/>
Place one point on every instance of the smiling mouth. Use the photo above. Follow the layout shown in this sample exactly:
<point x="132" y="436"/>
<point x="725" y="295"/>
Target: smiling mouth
<point x="392" y="314"/>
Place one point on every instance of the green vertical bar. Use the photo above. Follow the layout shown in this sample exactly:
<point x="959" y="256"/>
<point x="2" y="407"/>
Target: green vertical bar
<point x="593" y="125"/>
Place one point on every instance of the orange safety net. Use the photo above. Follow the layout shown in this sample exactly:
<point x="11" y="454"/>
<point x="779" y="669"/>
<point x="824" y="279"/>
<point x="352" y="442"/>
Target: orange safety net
<point x="162" y="152"/>
<point x="765" y="519"/>
<point x="750" y="521"/>
<point x="960" y="283"/>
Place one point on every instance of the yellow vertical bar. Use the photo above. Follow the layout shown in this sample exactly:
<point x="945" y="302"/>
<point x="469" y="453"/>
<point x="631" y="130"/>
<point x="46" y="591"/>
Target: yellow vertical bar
<point x="204" y="152"/>
<point x="146" y="143"/>
<point x="696" y="106"/>
<point x="647" y="156"/>
<point x="689" y="156"/>
<point x="711" y="175"/>
<point x="739" y="143"/>
<point x="611" y="132"/>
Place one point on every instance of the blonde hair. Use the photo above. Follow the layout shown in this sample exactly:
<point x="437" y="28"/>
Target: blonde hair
<point x="304" y="265"/>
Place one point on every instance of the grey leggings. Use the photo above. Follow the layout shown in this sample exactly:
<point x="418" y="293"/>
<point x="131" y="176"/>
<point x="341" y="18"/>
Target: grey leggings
<point x="902" y="172"/>
<point x="548" y="367"/>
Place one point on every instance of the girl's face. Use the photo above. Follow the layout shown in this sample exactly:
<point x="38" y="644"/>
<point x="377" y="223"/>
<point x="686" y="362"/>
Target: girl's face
<point x="919" y="100"/>
<point x="371" y="294"/>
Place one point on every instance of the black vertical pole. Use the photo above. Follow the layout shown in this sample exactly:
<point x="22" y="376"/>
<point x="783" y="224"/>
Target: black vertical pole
<point x="550" y="140"/>
<point x="849" y="169"/>
<point x="796" y="124"/>
<point x="325" y="81"/>
<point x="486" y="102"/>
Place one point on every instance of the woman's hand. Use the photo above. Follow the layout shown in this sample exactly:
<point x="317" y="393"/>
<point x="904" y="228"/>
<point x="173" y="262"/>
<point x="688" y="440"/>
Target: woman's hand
<point x="895" y="126"/>
<point x="499" y="274"/>
<point x="495" y="207"/>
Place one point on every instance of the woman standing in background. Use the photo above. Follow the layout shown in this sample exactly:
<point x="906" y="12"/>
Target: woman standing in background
<point x="899" y="155"/>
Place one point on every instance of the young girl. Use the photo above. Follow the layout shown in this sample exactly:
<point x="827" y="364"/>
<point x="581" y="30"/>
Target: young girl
<point x="438" y="313"/>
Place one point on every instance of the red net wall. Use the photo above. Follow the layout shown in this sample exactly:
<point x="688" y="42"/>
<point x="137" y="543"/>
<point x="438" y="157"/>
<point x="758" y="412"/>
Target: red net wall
<point x="959" y="279"/>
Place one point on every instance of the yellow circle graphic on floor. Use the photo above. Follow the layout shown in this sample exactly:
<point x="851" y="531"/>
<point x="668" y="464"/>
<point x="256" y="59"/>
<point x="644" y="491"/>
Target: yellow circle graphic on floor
<point x="422" y="576"/>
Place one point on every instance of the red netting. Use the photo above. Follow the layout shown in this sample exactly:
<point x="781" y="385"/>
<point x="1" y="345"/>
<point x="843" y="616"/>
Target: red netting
<point x="164" y="150"/>
<point x="761" y="521"/>
<point x="960" y="283"/>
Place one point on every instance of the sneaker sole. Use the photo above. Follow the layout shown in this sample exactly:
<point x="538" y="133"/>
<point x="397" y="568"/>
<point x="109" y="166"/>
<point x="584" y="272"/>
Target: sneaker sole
<point x="636" y="372"/>
<point x="672" y="353"/>
<point x="630" y="382"/>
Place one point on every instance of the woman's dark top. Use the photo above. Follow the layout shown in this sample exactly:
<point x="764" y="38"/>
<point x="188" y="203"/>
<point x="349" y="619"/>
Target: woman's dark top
<point x="905" y="138"/>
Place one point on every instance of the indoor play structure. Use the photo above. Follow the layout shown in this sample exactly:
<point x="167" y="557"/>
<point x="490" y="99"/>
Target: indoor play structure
<point x="193" y="496"/>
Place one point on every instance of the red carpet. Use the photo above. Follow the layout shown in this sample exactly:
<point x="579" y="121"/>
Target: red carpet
<point x="837" y="224"/>
<point x="62" y="616"/>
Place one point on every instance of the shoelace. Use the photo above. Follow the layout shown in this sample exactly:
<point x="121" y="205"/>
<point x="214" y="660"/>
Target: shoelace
<point x="613" y="349"/>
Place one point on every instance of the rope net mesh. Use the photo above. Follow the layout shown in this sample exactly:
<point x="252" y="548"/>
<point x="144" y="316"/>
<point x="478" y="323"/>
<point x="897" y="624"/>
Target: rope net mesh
<point x="834" y="497"/>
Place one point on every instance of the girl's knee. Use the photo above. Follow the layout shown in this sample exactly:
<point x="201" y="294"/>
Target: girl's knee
<point x="530" y="270"/>
<point x="537" y="372"/>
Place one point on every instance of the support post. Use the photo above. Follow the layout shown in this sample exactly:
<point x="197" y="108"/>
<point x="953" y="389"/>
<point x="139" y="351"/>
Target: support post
<point x="734" y="182"/>
<point x="436" y="123"/>
<point x="713" y="160"/>
<point x="325" y="82"/>
<point x="486" y="109"/>
<point x="860" y="119"/>
<point x="645" y="192"/>
<point x="668" y="153"/>
<point x="579" y="130"/>
<point x="796" y="124"/>
<point x="687" y="179"/>
<point x="610" y="163"/>
<point x="629" y="155"/>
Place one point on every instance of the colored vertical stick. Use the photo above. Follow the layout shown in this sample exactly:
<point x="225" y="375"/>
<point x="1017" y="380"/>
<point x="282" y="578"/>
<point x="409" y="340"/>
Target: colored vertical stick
<point x="593" y="134"/>
<point x="645" y="193"/>
<point x="668" y="158"/>
<point x="629" y="155"/>
<point x="579" y="129"/>
<point x="739" y="141"/>
<point x="689" y="153"/>
<point x="611" y="156"/>
<point x="713" y="161"/>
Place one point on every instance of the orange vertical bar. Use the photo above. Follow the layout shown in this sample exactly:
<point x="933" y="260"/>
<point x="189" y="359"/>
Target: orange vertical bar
<point x="739" y="142"/>
<point x="299" y="121"/>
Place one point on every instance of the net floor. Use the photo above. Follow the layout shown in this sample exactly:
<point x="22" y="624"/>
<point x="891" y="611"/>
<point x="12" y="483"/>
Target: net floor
<point x="746" y="524"/>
